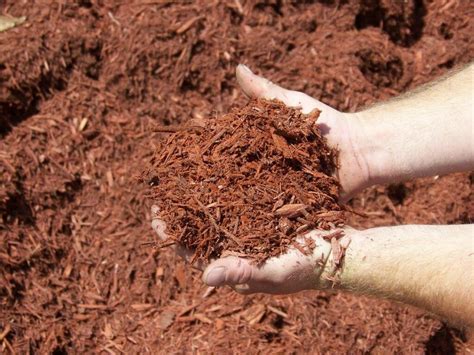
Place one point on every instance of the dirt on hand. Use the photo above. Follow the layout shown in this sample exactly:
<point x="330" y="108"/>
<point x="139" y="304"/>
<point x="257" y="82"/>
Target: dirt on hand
<point x="246" y="183"/>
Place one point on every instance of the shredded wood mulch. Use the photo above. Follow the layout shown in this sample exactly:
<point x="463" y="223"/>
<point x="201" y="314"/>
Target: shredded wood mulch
<point x="83" y="84"/>
<point x="246" y="183"/>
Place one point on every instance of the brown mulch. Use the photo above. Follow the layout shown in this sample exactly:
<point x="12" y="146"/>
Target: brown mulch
<point x="246" y="183"/>
<point x="82" y="86"/>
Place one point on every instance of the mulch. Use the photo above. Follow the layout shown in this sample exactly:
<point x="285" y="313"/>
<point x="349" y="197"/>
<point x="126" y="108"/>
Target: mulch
<point x="247" y="183"/>
<point x="84" y="85"/>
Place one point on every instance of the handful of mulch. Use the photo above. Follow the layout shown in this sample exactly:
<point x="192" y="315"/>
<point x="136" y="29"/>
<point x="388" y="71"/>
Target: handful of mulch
<point x="247" y="183"/>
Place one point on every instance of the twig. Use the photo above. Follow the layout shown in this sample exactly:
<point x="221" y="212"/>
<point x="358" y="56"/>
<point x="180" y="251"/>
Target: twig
<point x="174" y="129"/>
<point x="5" y="332"/>
<point x="215" y="225"/>
<point x="336" y="234"/>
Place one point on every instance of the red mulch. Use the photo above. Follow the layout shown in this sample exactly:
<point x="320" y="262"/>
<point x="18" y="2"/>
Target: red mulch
<point x="246" y="183"/>
<point x="83" y="84"/>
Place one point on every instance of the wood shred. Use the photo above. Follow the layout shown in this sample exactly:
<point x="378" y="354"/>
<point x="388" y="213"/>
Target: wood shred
<point x="217" y="187"/>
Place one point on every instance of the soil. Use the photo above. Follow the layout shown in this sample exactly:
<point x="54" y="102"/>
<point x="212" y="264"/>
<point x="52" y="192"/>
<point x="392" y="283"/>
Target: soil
<point x="247" y="183"/>
<point x="83" y="84"/>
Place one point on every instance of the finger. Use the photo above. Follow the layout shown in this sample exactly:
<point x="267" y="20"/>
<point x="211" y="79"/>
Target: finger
<point x="256" y="86"/>
<point x="188" y="256"/>
<point x="228" y="271"/>
<point x="288" y="273"/>
<point x="247" y="278"/>
<point x="184" y="253"/>
<point x="159" y="226"/>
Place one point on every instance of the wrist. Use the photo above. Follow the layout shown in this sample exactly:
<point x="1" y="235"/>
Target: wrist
<point x="331" y="261"/>
<point x="354" y="170"/>
<point x="372" y="138"/>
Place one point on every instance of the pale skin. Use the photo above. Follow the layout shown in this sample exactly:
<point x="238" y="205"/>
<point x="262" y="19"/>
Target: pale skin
<point x="427" y="132"/>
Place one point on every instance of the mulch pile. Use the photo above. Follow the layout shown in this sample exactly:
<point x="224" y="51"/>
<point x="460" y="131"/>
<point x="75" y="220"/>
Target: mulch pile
<point x="246" y="183"/>
<point x="83" y="85"/>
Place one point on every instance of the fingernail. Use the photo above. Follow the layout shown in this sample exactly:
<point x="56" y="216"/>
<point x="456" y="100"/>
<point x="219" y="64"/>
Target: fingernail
<point x="216" y="276"/>
<point x="245" y="68"/>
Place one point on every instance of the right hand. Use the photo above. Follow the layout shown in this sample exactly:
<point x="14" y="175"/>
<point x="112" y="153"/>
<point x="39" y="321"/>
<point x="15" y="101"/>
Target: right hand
<point x="291" y="272"/>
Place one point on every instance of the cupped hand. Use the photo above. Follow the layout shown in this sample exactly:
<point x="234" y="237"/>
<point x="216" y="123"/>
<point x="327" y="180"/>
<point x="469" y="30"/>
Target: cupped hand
<point x="293" y="271"/>
<point x="342" y="130"/>
<point x="297" y="270"/>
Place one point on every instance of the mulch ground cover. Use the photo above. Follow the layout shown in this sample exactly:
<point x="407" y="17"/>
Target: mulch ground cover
<point x="83" y="86"/>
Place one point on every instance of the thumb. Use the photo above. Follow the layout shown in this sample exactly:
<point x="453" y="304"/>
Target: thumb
<point x="288" y="273"/>
<point x="239" y="274"/>
<point x="255" y="86"/>
<point x="228" y="271"/>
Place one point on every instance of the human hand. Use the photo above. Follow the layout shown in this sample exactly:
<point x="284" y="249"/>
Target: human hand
<point x="291" y="272"/>
<point x="342" y="130"/>
<point x="294" y="271"/>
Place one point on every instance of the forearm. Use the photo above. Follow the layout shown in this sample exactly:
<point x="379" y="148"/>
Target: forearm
<point x="427" y="132"/>
<point x="431" y="267"/>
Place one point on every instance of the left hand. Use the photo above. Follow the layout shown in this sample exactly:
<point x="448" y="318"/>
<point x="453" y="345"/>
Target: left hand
<point x="343" y="131"/>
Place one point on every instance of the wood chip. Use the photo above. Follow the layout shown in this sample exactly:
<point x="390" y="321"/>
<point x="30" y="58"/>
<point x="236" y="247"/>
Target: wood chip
<point x="241" y="184"/>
